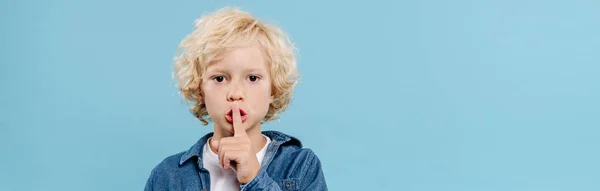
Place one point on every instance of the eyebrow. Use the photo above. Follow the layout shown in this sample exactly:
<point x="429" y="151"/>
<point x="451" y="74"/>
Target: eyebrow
<point x="248" y="70"/>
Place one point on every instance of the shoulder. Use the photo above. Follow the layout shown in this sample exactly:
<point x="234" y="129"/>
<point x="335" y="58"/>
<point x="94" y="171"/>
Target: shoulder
<point x="179" y="167"/>
<point x="291" y="152"/>
<point x="296" y="151"/>
<point x="185" y="160"/>
<point x="295" y="155"/>
<point x="167" y="166"/>
<point x="289" y="146"/>
<point x="170" y="162"/>
<point x="292" y="156"/>
<point x="170" y="174"/>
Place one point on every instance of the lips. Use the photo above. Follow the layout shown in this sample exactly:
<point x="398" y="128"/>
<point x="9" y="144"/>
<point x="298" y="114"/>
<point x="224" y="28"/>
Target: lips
<point x="229" y="115"/>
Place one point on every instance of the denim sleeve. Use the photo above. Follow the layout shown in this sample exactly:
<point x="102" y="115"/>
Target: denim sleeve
<point x="262" y="181"/>
<point x="314" y="178"/>
<point x="150" y="182"/>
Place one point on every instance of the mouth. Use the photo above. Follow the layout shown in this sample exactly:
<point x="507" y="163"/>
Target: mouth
<point x="229" y="115"/>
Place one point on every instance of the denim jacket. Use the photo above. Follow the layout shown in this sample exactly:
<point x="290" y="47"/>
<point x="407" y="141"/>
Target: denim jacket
<point x="286" y="166"/>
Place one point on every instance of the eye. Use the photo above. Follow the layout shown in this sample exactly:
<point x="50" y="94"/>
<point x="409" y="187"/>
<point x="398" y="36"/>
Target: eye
<point x="219" y="78"/>
<point x="253" y="78"/>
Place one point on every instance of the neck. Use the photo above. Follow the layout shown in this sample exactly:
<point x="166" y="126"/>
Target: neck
<point x="257" y="140"/>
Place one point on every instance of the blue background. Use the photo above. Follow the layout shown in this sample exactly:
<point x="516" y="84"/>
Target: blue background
<point x="412" y="95"/>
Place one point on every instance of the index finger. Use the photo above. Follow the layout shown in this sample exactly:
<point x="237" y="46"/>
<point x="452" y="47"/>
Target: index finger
<point x="238" y="128"/>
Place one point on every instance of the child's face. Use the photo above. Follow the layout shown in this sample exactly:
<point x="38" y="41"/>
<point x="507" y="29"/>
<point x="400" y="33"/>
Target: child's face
<point x="241" y="76"/>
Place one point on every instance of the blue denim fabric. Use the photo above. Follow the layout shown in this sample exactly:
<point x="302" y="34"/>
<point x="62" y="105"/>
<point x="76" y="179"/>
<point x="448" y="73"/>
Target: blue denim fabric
<point x="286" y="166"/>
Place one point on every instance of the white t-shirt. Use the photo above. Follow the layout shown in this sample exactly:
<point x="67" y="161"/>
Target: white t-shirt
<point x="221" y="179"/>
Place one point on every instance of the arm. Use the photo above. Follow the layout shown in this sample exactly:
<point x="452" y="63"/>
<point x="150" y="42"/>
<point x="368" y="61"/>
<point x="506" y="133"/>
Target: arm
<point x="314" y="178"/>
<point x="150" y="182"/>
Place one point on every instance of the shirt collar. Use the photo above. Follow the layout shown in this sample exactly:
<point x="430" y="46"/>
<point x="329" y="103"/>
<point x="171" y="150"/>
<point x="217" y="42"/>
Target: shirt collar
<point x="277" y="139"/>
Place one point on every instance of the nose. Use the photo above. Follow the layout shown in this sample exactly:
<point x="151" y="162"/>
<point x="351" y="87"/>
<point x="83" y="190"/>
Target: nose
<point x="236" y="93"/>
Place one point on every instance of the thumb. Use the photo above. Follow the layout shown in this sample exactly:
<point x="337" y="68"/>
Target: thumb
<point x="215" y="145"/>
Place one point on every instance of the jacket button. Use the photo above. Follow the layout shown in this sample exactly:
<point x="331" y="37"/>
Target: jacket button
<point x="287" y="185"/>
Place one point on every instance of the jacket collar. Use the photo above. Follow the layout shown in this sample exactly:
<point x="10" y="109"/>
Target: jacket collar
<point x="277" y="139"/>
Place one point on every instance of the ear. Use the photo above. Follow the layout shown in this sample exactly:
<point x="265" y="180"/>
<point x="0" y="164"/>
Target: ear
<point x="272" y="98"/>
<point x="200" y="98"/>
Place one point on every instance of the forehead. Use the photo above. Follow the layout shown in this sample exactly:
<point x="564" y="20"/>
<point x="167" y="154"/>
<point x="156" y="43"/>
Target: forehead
<point x="241" y="58"/>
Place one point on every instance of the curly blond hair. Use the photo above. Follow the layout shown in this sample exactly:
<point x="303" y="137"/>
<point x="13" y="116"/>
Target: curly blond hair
<point x="217" y="33"/>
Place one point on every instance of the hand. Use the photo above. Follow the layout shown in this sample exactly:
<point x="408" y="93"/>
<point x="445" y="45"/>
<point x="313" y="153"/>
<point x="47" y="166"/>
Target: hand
<point x="237" y="152"/>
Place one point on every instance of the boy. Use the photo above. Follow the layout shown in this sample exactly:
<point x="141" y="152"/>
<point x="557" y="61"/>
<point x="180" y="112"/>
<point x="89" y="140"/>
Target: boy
<point x="238" y="73"/>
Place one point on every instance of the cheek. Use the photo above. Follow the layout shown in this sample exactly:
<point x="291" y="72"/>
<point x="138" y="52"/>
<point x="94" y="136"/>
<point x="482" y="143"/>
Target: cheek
<point x="211" y="97"/>
<point x="262" y="99"/>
